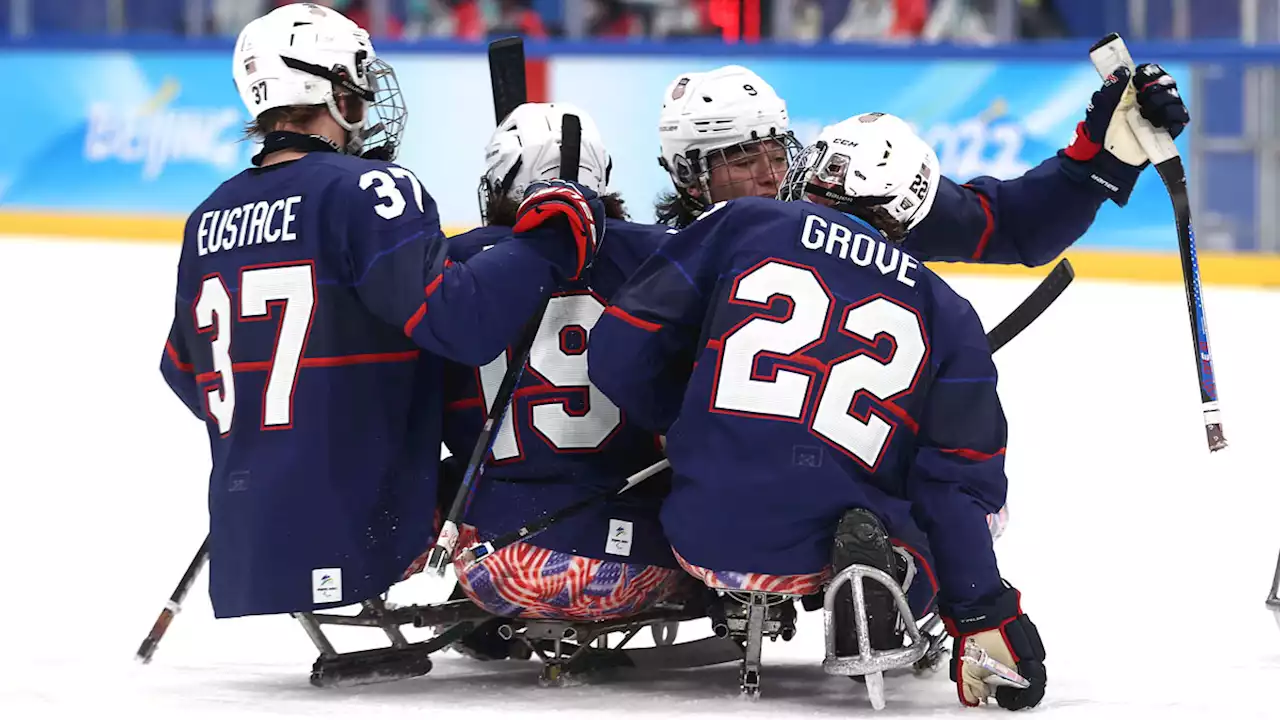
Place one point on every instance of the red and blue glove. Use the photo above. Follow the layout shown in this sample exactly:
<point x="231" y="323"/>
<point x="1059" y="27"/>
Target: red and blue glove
<point x="1005" y="634"/>
<point x="563" y="214"/>
<point x="1104" y="149"/>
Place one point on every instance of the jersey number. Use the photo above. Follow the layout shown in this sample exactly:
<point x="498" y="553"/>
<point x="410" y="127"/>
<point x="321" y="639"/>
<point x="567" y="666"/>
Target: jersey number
<point x="741" y="389"/>
<point x="293" y="287"/>
<point x="564" y="366"/>
<point x="385" y="187"/>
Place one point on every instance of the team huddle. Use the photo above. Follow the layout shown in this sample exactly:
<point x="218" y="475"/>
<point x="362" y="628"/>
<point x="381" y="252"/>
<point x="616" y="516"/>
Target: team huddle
<point x="824" y="399"/>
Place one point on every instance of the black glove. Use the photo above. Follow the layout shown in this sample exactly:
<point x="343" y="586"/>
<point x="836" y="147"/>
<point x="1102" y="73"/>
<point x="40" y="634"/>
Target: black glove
<point x="1098" y="116"/>
<point x="1159" y="100"/>
<point x="563" y="211"/>
<point x="1008" y="636"/>
<point x="1105" y="150"/>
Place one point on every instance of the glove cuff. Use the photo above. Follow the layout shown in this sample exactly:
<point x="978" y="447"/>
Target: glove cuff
<point x="987" y="614"/>
<point x="1114" y="177"/>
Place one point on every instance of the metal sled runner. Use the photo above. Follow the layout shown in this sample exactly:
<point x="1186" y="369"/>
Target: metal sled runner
<point x="566" y="649"/>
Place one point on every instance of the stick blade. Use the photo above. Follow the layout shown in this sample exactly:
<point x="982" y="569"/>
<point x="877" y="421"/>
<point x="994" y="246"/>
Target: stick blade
<point x="1049" y="289"/>
<point x="507" y="76"/>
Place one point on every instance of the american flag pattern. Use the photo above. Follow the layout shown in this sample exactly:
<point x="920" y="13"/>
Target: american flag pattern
<point x="757" y="582"/>
<point x="522" y="580"/>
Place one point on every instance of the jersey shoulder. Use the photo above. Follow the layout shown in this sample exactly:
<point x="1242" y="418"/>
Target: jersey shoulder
<point x="473" y="242"/>
<point x="628" y="244"/>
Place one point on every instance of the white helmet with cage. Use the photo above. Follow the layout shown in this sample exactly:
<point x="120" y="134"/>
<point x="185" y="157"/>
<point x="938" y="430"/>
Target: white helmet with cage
<point x="872" y="160"/>
<point x="707" y="115"/>
<point x="303" y="54"/>
<point x="525" y="148"/>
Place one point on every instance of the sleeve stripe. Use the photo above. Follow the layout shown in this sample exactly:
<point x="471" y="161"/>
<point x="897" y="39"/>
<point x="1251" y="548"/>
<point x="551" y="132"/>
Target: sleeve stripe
<point x="975" y="455"/>
<point x="433" y="285"/>
<point x="173" y="356"/>
<point x="412" y="323"/>
<point x="632" y="320"/>
<point x="991" y="223"/>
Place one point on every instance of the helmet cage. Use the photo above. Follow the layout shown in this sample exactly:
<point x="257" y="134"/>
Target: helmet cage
<point x="692" y="170"/>
<point x="488" y="190"/>
<point x="819" y="176"/>
<point x="384" y="113"/>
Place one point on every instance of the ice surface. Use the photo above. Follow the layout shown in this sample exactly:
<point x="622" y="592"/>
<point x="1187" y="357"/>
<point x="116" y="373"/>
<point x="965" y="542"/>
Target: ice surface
<point x="1143" y="559"/>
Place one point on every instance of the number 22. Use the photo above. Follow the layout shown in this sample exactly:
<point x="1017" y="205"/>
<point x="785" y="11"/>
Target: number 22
<point x="785" y="396"/>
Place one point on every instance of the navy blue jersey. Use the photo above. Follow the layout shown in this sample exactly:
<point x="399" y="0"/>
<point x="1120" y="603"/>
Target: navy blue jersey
<point x="1027" y="220"/>
<point x="305" y="292"/>
<point x="830" y="370"/>
<point x="562" y="439"/>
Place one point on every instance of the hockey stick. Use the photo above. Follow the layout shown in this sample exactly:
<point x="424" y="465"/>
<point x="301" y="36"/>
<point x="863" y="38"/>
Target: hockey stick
<point x="174" y="605"/>
<point x="480" y="551"/>
<point x="509" y="87"/>
<point x="1031" y="308"/>
<point x="442" y="553"/>
<point x="1108" y="54"/>
<point x="507" y="76"/>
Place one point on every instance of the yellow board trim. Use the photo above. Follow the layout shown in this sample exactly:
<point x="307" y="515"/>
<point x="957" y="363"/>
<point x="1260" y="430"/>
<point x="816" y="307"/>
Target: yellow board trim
<point x="1216" y="268"/>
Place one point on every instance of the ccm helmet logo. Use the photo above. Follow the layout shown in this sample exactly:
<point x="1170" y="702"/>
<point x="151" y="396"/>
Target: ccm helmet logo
<point x="842" y="141"/>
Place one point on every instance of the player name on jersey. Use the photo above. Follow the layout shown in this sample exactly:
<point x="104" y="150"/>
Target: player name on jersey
<point x="834" y="238"/>
<point x="249" y="224"/>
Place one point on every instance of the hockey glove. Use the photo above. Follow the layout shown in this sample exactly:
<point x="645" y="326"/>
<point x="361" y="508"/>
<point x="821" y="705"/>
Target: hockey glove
<point x="1007" y="636"/>
<point x="1159" y="100"/>
<point x="1104" y="149"/>
<point x="561" y="211"/>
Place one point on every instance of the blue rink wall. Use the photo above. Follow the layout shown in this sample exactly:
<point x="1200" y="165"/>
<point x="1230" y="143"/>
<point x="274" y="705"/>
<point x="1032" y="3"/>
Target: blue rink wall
<point x="123" y="140"/>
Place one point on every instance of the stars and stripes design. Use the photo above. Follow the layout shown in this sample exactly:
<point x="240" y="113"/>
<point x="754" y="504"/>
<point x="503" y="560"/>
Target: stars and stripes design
<point x="526" y="581"/>
<point x="757" y="582"/>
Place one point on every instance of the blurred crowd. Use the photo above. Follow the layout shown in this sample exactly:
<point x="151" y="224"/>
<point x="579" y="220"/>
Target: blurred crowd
<point x="805" y="20"/>
<point x="809" y="21"/>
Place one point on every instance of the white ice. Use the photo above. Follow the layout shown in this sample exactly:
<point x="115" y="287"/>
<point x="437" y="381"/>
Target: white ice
<point x="1143" y="559"/>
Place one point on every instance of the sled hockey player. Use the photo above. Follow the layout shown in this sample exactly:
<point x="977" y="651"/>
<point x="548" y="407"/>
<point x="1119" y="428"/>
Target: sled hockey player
<point x="314" y="308"/>
<point x="725" y="134"/>
<point x="561" y="441"/>
<point x="808" y="374"/>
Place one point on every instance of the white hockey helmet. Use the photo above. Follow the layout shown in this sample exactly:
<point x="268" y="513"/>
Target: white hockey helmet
<point x="526" y="147"/>
<point x="727" y="112"/>
<point x="872" y="160"/>
<point x="297" y="55"/>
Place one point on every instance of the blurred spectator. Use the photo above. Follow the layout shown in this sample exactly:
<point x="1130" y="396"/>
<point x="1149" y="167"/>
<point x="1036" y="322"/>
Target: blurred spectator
<point x="359" y="13"/>
<point x="518" y="17"/>
<point x="230" y="16"/>
<point x="881" y="20"/>
<point x="613" y="19"/>
<point x="962" y="20"/>
<point x="1040" y="19"/>
<point x="683" y="18"/>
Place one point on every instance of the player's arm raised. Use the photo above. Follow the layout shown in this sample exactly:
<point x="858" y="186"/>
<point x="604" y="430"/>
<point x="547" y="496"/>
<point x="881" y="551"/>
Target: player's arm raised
<point x="1032" y="219"/>
<point x="957" y="479"/>
<point x="643" y="347"/>
<point x="465" y="311"/>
